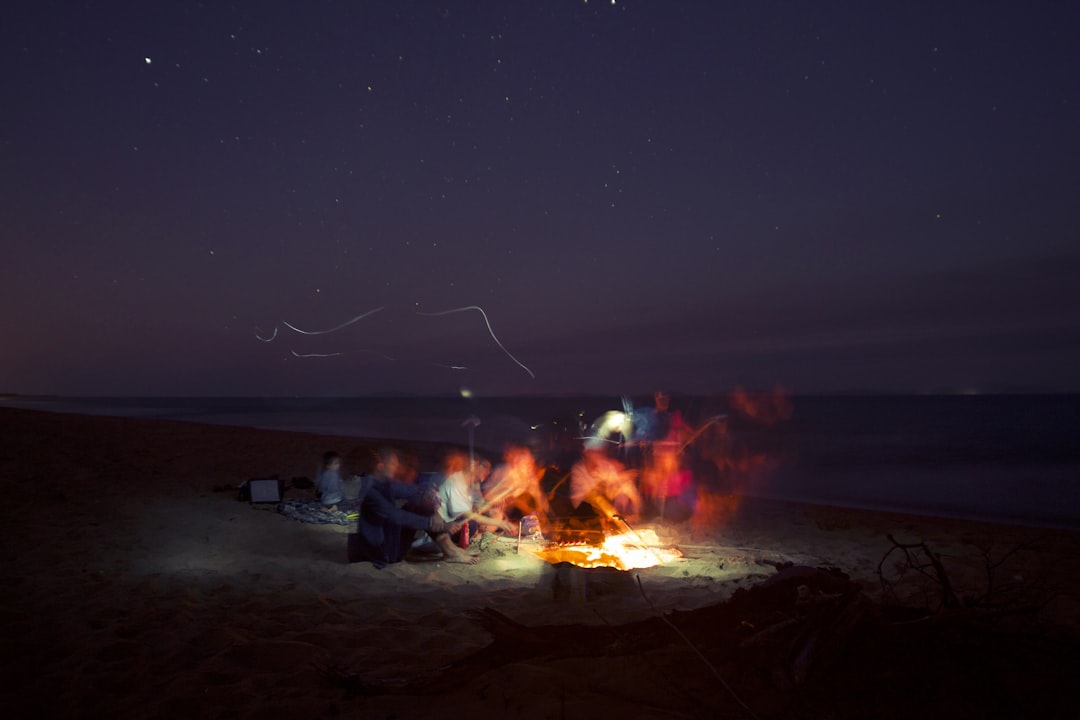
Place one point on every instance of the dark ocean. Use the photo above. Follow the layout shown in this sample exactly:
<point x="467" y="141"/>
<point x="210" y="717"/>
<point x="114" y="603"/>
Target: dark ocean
<point x="1013" y="458"/>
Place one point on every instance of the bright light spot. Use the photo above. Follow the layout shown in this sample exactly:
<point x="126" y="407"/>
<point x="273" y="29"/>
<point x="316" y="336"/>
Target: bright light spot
<point x="148" y="60"/>
<point x="613" y="421"/>
<point x="466" y="392"/>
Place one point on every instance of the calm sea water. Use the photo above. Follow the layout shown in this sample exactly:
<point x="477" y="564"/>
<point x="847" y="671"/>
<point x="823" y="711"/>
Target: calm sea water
<point x="1004" y="457"/>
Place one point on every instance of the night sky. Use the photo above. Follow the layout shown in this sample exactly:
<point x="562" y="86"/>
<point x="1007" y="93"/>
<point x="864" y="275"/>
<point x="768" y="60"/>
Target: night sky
<point x="830" y="196"/>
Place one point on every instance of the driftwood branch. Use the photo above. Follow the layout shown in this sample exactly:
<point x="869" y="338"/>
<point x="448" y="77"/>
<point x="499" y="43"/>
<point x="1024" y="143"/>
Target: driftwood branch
<point x="944" y="601"/>
<point x="918" y="557"/>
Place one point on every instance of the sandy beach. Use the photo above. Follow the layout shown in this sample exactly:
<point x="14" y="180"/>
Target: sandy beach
<point x="138" y="586"/>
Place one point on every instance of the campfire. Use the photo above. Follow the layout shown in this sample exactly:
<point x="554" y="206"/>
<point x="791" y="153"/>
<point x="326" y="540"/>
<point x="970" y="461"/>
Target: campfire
<point x="622" y="551"/>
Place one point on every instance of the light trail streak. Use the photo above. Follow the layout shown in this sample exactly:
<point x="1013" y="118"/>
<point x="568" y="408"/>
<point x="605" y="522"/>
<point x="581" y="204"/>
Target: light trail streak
<point x="345" y="324"/>
<point x="490" y="331"/>
<point x="311" y="355"/>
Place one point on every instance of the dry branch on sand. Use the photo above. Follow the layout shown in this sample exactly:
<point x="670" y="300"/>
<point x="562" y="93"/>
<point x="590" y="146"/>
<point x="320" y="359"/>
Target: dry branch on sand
<point x="943" y="600"/>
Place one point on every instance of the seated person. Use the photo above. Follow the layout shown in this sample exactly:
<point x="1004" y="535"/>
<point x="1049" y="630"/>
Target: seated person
<point x="457" y="494"/>
<point x="330" y="486"/>
<point x="604" y="485"/>
<point x="385" y="531"/>
<point x="513" y="490"/>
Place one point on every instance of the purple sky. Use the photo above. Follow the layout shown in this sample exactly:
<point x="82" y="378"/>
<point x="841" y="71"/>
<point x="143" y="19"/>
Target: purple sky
<point x="840" y="196"/>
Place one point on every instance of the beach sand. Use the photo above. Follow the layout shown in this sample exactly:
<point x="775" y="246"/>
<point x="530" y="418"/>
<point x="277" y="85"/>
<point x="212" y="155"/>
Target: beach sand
<point x="137" y="585"/>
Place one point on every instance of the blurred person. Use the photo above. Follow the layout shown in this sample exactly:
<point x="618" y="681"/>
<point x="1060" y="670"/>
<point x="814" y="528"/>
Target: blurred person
<point x="513" y="490"/>
<point x="667" y="485"/>
<point x="459" y="495"/>
<point x="661" y="424"/>
<point x="605" y="485"/>
<point x="393" y="512"/>
<point x="651" y="427"/>
<point x="328" y="481"/>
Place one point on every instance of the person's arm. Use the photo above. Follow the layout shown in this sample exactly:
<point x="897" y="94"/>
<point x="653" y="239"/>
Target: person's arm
<point x="499" y="487"/>
<point x="581" y="484"/>
<point x="380" y="502"/>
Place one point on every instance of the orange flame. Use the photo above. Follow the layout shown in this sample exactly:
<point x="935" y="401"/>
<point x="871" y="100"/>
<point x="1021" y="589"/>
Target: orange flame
<point x="624" y="551"/>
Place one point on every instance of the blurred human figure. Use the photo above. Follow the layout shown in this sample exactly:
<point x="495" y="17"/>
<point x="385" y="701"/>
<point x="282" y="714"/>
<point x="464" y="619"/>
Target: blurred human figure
<point x="385" y="530"/>
<point x="605" y="485"/>
<point x="513" y="490"/>
<point x="329" y="483"/>
<point x="667" y="425"/>
<point x="667" y="485"/>
<point x="459" y="497"/>
<point x="651" y="427"/>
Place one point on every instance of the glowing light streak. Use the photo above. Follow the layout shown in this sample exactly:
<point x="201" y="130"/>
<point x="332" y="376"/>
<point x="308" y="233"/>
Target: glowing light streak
<point x="335" y="354"/>
<point x="333" y="329"/>
<point x="597" y="438"/>
<point x="347" y="323"/>
<point x="311" y="355"/>
<point x="490" y="331"/>
<point x="381" y="354"/>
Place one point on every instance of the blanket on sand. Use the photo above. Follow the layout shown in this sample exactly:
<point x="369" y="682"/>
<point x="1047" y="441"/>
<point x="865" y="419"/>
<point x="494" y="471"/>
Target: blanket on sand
<point x="310" y="510"/>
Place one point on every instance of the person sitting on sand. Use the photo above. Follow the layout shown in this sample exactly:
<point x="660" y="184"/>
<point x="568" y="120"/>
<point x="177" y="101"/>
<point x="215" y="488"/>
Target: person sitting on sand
<point x="385" y="531"/>
<point x="329" y="483"/>
<point x="513" y="491"/>
<point x="603" y="484"/>
<point x="457" y="494"/>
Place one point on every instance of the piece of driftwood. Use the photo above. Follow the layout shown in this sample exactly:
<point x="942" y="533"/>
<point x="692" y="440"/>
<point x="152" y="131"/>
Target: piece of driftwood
<point x="944" y="602"/>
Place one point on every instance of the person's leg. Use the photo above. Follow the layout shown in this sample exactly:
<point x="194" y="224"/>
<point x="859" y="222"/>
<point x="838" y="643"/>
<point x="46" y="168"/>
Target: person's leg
<point x="398" y="541"/>
<point x="451" y="552"/>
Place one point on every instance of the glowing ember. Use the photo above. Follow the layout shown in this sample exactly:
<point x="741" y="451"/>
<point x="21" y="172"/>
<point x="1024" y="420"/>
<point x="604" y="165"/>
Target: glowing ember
<point x="625" y="551"/>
